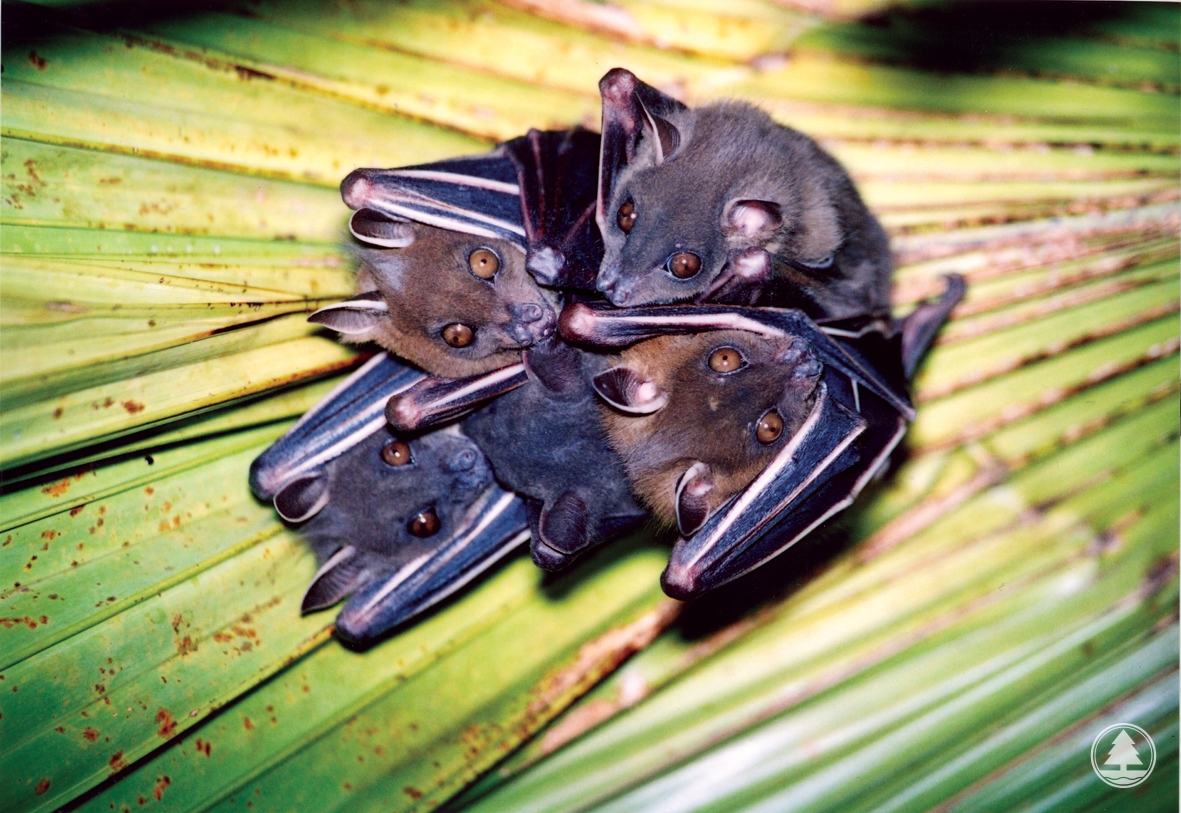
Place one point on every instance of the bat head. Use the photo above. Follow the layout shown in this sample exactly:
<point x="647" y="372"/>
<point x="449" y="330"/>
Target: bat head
<point x="452" y="303"/>
<point x="692" y="198"/>
<point x="695" y="418"/>
<point x="383" y="503"/>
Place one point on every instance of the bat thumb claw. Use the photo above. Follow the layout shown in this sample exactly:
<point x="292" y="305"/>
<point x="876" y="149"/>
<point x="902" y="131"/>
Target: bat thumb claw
<point x="679" y="581"/>
<point x="577" y="322"/>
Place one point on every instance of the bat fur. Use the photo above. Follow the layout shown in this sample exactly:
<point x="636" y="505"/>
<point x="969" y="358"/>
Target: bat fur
<point x="773" y="218"/>
<point x="408" y="296"/>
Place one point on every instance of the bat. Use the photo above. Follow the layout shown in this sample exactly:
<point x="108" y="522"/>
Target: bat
<point x="443" y="280"/>
<point x="538" y="423"/>
<point x="546" y="443"/>
<point x="397" y="523"/>
<point x="745" y="427"/>
<point x="451" y="303"/>
<point x="793" y="420"/>
<point x="721" y="204"/>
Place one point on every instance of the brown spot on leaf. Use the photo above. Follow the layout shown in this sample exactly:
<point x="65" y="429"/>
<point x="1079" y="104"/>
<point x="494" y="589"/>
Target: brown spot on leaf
<point x="116" y="762"/>
<point x="249" y="726"/>
<point x="133" y="407"/>
<point x="89" y="734"/>
<point x="203" y="746"/>
<point x="161" y="784"/>
<point x="57" y="489"/>
<point x="76" y="510"/>
<point x="185" y="645"/>
<point x="50" y="535"/>
<point x="412" y="792"/>
<point x="42" y="786"/>
<point x="167" y="723"/>
<point x="57" y="413"/>
<point x="39" y="62"/>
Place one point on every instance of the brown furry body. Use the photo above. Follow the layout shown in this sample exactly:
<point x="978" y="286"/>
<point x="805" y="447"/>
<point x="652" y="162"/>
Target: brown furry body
<point x="429" y="285"/>
<point x="709" y="417"/>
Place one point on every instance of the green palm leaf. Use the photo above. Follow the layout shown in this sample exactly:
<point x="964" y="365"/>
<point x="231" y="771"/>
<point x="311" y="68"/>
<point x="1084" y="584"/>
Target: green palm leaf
<point x="955" y="642"/>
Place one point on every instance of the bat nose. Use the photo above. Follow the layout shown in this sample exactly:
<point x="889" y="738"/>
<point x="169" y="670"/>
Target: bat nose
<point x="527" y="313"/>
<point x="530" y="323"/>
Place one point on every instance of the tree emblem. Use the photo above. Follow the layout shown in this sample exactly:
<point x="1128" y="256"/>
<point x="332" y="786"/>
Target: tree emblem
<point x="1127" y="747"/>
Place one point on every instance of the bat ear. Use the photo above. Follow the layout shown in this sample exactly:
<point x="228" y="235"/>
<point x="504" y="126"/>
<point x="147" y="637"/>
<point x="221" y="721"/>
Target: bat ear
<point x="628" y="391"/>
<point x="303" y="498"/>
<point x="631" y="110"/>
<point x="752" y="218"/>
<point x="692" y="497"/>
<point x="335" y="580"/>
<point x="376" y="229"/>
<point x="562" y="524"/>
<point x="665" y="136"/>
<point x="357" y="315"/>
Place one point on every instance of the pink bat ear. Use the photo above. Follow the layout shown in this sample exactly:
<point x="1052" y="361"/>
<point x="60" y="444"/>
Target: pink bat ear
<point x="692" y="497"/>
<point x="376" y="229"/>
<point x="353" y="316"/>
<point x="336" y="579"/>
<point x="628" y="391"/>
<point x="303" y="498"/>
<point x="753" y="218"/>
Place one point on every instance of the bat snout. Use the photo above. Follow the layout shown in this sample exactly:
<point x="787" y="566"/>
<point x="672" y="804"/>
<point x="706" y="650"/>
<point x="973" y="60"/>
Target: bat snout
<point x="530" y="323"/>
<point x="609" y="283"/>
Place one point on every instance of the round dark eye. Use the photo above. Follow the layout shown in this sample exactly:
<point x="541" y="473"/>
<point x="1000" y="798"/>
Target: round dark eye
<point x="484" y="263"/>
<point x="725" y="360"/>
<point x="458" y="335"/>
<point x="770" y="427"/>
<point x="424" y="523"/>
<point x="626" y="218"/>
<point x="684" y="265"/>
<point x="396" y="453"/>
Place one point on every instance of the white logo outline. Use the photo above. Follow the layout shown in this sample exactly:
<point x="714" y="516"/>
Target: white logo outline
<point x="1130" y="778"/>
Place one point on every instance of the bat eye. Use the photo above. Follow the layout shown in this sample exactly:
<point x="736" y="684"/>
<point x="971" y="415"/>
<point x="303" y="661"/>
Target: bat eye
<point x="484" y="263"/>
<point x="424" y="524"/>
<point x="396" y="453"/>
<point x="626" y="218"/>
<point x="726" y="360"/>
<point x="770" y="427"/>
<point x="684" y="265"/>
<point x="458" y="335"/>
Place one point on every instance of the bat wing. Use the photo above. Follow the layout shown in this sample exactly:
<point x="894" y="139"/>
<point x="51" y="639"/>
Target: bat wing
<point x="603" y="325"/>
<point x="477" y="195"/>
<point x="432" y="401"/>
<point x="557" y="176"/>
<point x="858" y="417"/>
<point x="839" y="449"/>
<point x="494" y="526"/>
<point x="350" y="413"/>
<point x="294" y="473"/>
